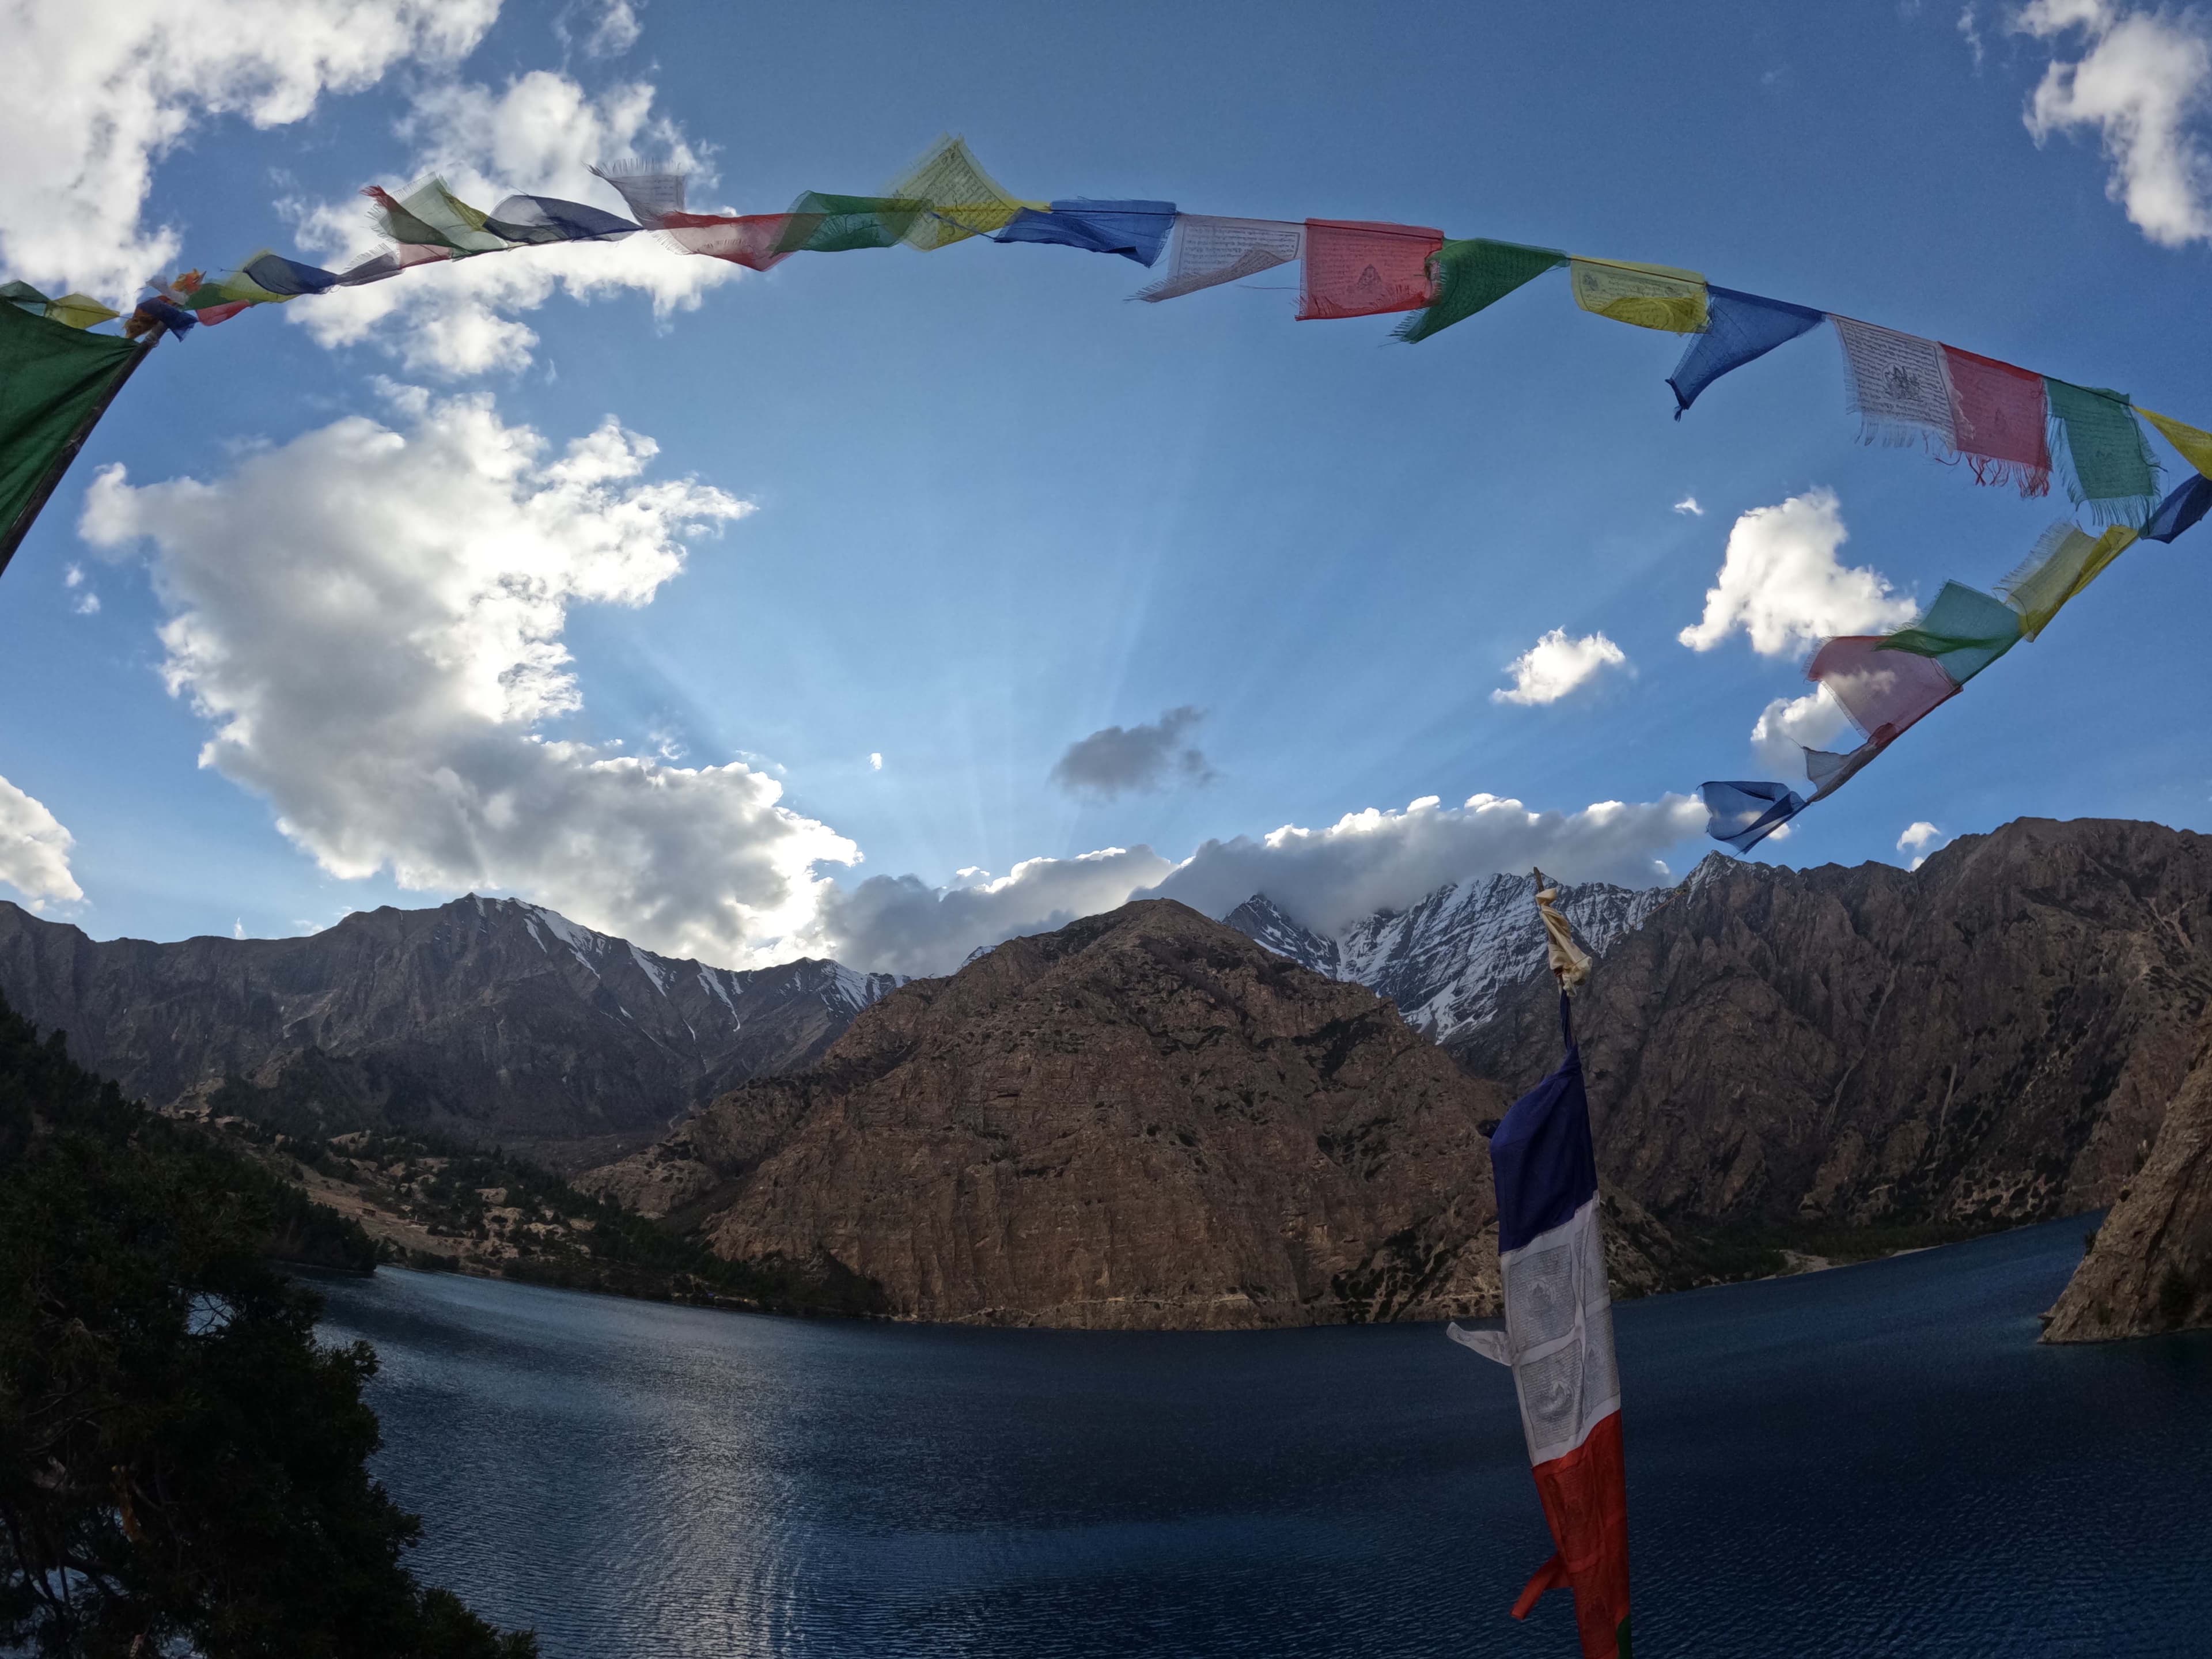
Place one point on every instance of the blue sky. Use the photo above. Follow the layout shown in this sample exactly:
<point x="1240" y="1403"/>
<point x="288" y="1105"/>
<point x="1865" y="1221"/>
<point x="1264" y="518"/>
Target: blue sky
<point x="995" y="508"/>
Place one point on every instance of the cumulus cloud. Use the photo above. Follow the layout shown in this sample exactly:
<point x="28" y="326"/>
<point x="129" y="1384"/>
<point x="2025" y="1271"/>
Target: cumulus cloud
<point x="1555" y="666"/>
<point x="89" y="102"/>
<point x="1790" y="726"/>
<point x="539" y="134"/>
<point x="2144" y="81"/>
<point x="371" y="618"/>
<point x="34" y="850"/>
<point x="1689" y="507"/>
<point x="875" y="759"/>
<point x="604" y="28"/>
<point x="1118" y="760"/>
<point x="1920" y="839"/>
<point x="1326" y="877"/>
<point x="1781" y="583"/>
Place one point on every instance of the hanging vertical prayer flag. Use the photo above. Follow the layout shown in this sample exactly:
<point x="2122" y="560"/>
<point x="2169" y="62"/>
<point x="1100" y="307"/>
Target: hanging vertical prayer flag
<point x="1999" y="414"/>
<point x="2108" y="463"/>
<point x="958" y="199"/>
<point x="1468" y="276"/>
<point x="2195" y="447"/>
<point x="56" y="381"/>
<point x="1208" y="250"/>
<point x="1884" y="692"/>
<point x="1739" y="329"/>
<point x="535" y="219"/>
<point x="1897" y="387"/>
<point x="1135" y="230"/>
<point x="1744" y="813"/>
<point x="649" y="190"/>
<point x="2183" y="508"/>
<point x="1963" y="632"/>
<point x="2064" y="561"/>
<point x="1354" y="268"/>
<point x="1559" y="1341"/>
<point x="1649" y="296"/>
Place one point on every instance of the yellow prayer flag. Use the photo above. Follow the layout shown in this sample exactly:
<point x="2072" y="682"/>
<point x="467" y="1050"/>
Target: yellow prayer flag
<point x="78" y="311"/>
<point x="2195" y="447"/>
<point x="2065" y="561"/>
<point x="1650" y="296"/>
<point x="963" y="200"/>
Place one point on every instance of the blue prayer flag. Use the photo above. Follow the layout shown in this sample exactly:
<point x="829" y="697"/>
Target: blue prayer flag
<point x="550" y="219"/>
<point x="1745" y="814"/>
<point x="1135" y="230"/>
<point x="288" y="277"/>
<point x="1738" y="328"/>
<point x="2183" y="508"/>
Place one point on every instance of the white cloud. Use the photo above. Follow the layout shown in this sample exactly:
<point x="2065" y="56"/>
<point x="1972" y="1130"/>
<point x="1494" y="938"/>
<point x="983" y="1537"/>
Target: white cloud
<point x="87" y="604"/>
<point x="372" y="619"/>
<point x="1556" y="664"/>
<point x="539" y="135"/>
<point x="609" y="27"/>
<point x="2143" y="79"/>
<point x="237" y="928"/>
<point x="91" y="99"/>
<point x="1780" y="582"/>
<point x="875" y="762"/>
<point x="1118" y="760"/>
<point x="1326" y="877"/>
<point x="1970" y="31"/>
<point x="1790" y="726"/>
<point x="34" y="850"/>
<point x="1920" y="839"/>
<point x="1689" y="507"/>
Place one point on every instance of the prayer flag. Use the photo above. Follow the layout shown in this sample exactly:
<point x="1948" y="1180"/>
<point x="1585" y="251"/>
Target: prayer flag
<point x="284" y="279"/>
<point x="957" y="198"/>
<point x="1354" y="268"/>
<point x="2183" y="508"/>
<point x="1830" y="772"/>
<point x="391" y="262"/>
<point x="1884" y="692"/>
<point x="1135" y="230"/>
<point x="156" y="312"/>
<point x="1963" y="631"/>
<point x="842" y="224"/>
<point x="754" y="240"/>
<point x="79" y="310"/>
<point x="650" y="191"/>
<point x="1649" y="296"/>
<point x="1896" y="386"/>
<point x="1468" y="276"/>
<point x="1207" y="252"/>
<point x="1739" y="329"/>
<point x="2195" y="447"/>
<point x="432" y="214"/>
<point x="26" y="296"/>
<point x="56" y="381"/>
<point x="1559" y="1341"/>
<point x="2110" y="467"/>
<point x="2064" y="561"/>
<point x="1999" y="414"/>
<point x="1744" y="813"/>
<point x="548" y="219"/>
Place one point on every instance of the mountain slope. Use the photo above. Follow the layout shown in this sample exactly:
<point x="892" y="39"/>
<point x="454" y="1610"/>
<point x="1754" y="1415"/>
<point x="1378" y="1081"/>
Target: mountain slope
<point x="1992" y="1038"/>
<point x="1143" y="1120"/>
<point x="481" y="1017"/>
<point x="1449" y="961"/>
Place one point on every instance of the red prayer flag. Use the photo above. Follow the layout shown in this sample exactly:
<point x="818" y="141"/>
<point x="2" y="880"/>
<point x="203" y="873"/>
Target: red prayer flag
<point x="1883" y="691"/>
<point x="749" y="240"/>
<point x="2000" y="412"/>
<point x="1355" y="269"/>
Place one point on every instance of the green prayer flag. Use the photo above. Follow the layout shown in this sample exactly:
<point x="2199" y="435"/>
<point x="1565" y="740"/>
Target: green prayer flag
<point x="839" y="224"/>
<point x="2112" y="471"/>
<point x="55" y="383"/>
<point x="1472" y="274"/>
<point x="1965" y="631"/>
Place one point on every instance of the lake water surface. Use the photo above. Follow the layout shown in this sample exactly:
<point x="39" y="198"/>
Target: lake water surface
<point x="1877" y="1460"/>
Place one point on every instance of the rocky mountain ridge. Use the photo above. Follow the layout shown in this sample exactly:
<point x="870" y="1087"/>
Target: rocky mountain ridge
<point x="1143" y="1120"/>
<point x="480" y="1018"/>
<point x="1449" y="961"/>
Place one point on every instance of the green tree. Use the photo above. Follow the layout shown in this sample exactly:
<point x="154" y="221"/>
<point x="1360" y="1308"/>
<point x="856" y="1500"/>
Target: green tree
<point x="183" y="1469"/>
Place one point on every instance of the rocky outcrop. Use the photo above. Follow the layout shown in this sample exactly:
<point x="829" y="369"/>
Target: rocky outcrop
<point x="1451" y="960"/>
<point x="483" y="1018"/>
<point x="2149" y="1267"/>
<point x="1144" y="1120"/>
<point x="1992" y="1038"/>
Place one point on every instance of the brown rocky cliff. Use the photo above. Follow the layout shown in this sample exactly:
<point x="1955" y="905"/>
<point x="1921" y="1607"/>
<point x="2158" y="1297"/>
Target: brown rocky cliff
<point x="1993" y="1037"/>
<point x="1144" y="1120"/>
<point x="2149" y="1267"/>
